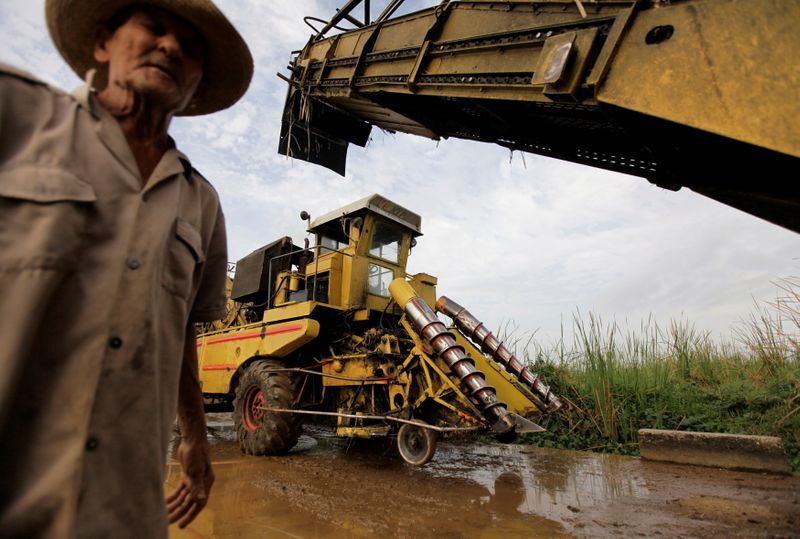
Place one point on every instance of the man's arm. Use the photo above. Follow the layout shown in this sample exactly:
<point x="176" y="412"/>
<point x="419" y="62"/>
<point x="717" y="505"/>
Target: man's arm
<point x="191" y="495"/>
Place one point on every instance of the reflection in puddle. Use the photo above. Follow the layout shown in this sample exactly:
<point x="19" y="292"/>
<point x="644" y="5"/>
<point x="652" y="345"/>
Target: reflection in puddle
<point x="332" y="487"/>
<point x="552" y="483"/>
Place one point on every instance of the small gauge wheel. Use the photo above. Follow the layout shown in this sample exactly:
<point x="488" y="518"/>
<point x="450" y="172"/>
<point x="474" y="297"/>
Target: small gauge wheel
<point x="416" y="443"/>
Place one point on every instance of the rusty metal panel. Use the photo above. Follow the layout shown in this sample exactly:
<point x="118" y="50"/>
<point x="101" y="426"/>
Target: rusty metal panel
<point x="351" y="44"/>
<point x="467" y="19"/>
<point x="380" y="69"/>
<point x="730" y="67"/>
<point x="318" y="51"/>
<point x="510" y="60"/>
<point x="405" y="32"/>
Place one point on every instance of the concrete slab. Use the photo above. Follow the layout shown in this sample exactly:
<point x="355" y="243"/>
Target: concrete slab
<point x="735" y="451"/>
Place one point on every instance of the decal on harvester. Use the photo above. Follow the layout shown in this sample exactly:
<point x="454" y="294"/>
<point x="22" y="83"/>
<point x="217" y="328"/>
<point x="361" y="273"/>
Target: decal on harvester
<point x="246" y="336"/>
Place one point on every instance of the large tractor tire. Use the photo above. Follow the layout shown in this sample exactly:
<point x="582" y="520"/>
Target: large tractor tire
<point x="260" y="432"/>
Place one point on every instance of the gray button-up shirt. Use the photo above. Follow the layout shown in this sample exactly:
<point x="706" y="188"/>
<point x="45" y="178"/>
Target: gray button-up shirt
<point x="99" y="277"/>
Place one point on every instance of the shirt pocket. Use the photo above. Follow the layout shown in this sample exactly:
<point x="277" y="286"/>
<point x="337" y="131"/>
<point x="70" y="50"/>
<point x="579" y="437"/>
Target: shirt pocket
<point x="44" y="217"/>
<point x="184" y="258"/>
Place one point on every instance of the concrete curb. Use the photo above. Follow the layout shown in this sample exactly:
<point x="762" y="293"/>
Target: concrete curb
<point x="736" y="451"/>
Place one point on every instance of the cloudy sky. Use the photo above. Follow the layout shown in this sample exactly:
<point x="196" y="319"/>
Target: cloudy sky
<point x="523" y="241"/>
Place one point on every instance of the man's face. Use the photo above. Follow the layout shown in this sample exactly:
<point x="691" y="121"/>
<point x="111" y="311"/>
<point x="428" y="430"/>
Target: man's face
<point x="155" y="54"/>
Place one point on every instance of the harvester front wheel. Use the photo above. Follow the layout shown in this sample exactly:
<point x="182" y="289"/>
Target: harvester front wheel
<point x="416" y="444"/>
<point x="260" y="432"/>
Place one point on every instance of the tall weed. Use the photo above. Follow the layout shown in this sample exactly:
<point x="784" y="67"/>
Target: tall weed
<point x="676" y="378"/>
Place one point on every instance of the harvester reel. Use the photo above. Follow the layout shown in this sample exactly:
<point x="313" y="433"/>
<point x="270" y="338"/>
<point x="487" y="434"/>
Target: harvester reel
<point x="416" y="444"/>
<point x="260" y="432"/>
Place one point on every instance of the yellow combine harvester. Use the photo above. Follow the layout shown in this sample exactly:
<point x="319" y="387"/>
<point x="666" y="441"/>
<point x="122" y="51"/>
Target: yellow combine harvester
<point x="339" y="329"/>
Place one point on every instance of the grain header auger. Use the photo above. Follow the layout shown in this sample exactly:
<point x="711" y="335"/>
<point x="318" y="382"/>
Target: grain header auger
<point x="338" y="330"/>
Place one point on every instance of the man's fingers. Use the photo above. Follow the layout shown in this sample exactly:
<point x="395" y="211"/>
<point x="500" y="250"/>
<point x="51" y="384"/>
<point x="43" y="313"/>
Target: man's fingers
<point x="179" y="512"/>
<point x="174" y="494"/>
<point x="179" y="507"/>
<point x="176" y="508"/>
<point x="194" y="510"/>
<point x="187" y="511"/>
<point x="177" y="500"/>
<point x="189" y="499"/>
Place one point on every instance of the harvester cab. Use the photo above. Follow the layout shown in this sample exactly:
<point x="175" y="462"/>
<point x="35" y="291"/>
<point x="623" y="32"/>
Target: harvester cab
<point x="340" y="330"/>
<point x="359" y="250"/>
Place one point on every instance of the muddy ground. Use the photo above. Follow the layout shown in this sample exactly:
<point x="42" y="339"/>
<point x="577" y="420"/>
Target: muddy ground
<point x="331" y="487"/>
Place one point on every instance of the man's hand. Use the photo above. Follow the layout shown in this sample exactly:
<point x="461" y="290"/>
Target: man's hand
<point x="191" y="495"/>
<point x="193" y="453"/>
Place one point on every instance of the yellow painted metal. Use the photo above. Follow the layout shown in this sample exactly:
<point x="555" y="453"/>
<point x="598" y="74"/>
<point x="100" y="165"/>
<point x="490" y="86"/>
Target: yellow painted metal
<point x="399" y="391"/>
<point x="354" y="294"/>
<point x="568" y="84"/>
<point x="361" y="315"/>
<point x="290" y="311"/>
<point x="702" y="94"/>
<point x="402" y="291"/>
<point x="509" y="391"/>
<point x="347" y="275"/>
<point x="334" y="264"/>
<point x="435" y="378"/>
<point x="457" y="22"/>
<point x="220" y="353"/>
<point x="358" y="368"/>
<point x="343" y="427"/>
<point x="370" y="431"/>
<point x="425" y="287"/>
<point x="730" y="67"/>
<point x="348" y="270"/>
<point x="282" y="288"/>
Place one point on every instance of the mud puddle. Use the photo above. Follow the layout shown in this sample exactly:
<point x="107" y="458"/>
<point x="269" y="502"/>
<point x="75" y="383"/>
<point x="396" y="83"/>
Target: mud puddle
<point x="331" y="487"/>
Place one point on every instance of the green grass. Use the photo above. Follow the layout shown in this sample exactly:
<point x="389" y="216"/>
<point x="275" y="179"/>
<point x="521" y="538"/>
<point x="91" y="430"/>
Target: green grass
<point x="622" y="380"/>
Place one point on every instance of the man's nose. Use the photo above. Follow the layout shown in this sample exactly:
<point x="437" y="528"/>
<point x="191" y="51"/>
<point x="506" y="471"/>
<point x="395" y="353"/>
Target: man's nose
<point x="170" y="45"/>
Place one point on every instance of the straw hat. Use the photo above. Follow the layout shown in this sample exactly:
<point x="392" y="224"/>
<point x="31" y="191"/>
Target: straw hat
<point x="228" y="67"/>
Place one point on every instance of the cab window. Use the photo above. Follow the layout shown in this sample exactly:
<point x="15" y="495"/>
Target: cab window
<point x="329" y="244"/>
<point x="386" y="240"/>
<point x="379" y="280"/>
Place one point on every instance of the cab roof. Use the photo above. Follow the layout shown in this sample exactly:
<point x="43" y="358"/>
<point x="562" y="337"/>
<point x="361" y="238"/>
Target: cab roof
<point x="376" y="204"/>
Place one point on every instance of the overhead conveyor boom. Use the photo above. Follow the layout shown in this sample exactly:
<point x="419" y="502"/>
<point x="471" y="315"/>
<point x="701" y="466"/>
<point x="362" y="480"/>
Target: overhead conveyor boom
<point x="694" y="93"/>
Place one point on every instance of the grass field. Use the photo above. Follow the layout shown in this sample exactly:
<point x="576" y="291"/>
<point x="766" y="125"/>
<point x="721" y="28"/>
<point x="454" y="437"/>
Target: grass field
<point x="621" y="380"/>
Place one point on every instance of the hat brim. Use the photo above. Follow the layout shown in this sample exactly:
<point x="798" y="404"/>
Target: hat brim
<point x="228" y="67"/>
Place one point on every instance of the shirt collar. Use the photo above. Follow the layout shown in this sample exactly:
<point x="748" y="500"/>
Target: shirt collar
<point x="83" y="94"/>
<point x="172" y="162"/>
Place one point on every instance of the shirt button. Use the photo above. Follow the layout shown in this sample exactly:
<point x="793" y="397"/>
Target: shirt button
<point x="92" y="443"/>
<point x="115" y="342"/>
<point x="133" y="264"/>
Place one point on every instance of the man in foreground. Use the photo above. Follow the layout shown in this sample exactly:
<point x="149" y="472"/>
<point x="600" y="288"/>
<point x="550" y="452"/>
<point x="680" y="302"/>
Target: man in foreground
<point x="111" y="247"/>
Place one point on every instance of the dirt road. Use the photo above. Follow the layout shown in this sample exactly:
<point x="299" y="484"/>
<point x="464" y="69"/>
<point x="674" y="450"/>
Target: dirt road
<point x="330" y="487"/>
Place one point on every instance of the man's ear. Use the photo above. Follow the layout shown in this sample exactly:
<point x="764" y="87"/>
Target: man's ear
<point x="101" y="45"/>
